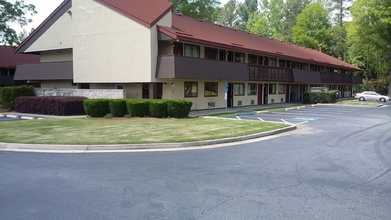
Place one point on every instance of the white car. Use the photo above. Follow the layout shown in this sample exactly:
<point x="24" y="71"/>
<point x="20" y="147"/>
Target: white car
<point x="371" y="96"/>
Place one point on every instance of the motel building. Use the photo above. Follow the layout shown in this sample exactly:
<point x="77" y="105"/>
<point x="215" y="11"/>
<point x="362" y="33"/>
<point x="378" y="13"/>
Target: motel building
<point x="145" y="50"/>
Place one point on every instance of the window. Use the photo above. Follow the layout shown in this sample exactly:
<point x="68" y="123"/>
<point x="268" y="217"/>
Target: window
<point x="239" y="57"/>
<point x="252" y="89"/>
<point x="305" y="66"/>
<point x="272" y="88"/>
<point x="211" y="89"/>
<point x="281" y="89"/>
<point x="230" y="56"/>
<point x="119" y="86"/>
<point x="239" y="88"/>
<point x="295" y="65"/>
<point x="252" y="59"/>
<point x="211" y="53"/>
<point x="192" y="50"/>
<point x="282" y="63"/>
<point x="191" y="89"/>
<point x="272" y="61"/>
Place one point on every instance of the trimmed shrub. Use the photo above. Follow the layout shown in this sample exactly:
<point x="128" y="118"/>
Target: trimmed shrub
<point x="96" y="107"/>
<point x="138" y="107"/>
<point x="50" y="105"/>
<point x="320" y="97"/>
<point x="117" y="107"/>
<point x="158" y="108"/>
<point x="8" y="95"/>
<point x="178" y="108"/>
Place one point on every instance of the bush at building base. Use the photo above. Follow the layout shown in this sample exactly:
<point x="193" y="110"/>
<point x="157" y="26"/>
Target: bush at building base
<point x="320" y="97"/>
<point x="117" y="107"/>
<point x="96" y="107"/>
<point x="138" y="107"/>
<point x="157" y="108"/>
<point x="178" y="108"/>
<point x="50" y="105"/>
<point x="8" y="95"/>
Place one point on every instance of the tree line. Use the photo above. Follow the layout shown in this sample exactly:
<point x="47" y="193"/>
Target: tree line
<point x="356" y="31"/>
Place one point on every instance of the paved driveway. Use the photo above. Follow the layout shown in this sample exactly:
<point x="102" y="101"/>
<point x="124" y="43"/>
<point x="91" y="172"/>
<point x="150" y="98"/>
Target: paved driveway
<point x="335" y="167"/>
<point x="2" y="119"/>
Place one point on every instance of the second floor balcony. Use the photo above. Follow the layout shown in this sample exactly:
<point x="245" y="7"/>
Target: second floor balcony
<point x="181" y="67"/>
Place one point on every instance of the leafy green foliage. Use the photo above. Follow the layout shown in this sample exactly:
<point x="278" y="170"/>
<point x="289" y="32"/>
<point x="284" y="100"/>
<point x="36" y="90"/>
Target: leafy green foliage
<point x="8" y="95"/>
<point x="13" y="13"/>
<point x="96" y="107"/>
<point x="158" y="108"/>
<point x="138" y="107"/>
<point x="258" y="24"/>
<point x="320" y="97"/>
<point x="313" y="28"/>
<point x="227" y="15"/>
<point x="206" y="10"/>
<point x="244" y="11"/>
<point x="291" y="10"/>
<point x="369" y="38"/>
<point x="178" y="108"/>
<point x="117" y="107"/>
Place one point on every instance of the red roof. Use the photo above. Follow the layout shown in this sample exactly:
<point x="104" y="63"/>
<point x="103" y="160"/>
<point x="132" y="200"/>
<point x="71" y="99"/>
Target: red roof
<point x="198" y="31"/>
<point x="9" y="59"/>
<point x="145" y="12"/>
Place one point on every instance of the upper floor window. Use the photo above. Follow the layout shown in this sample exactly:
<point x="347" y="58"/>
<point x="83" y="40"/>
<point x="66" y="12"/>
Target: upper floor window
<point x="272" y="61"/>
<point x="252" y="59"/>
<point x="239" y="57"/>
<point x="295" y="65"/>
<point x="211" y="53"/>
<point x="282" y="63"/>
<point x="305" y="66"/>
<point x="192" y="50"/>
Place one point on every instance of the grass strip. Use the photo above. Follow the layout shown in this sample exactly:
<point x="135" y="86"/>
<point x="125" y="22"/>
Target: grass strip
<point x="92" y="131"/>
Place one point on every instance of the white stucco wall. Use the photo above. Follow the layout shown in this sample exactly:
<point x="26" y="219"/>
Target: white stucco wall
<point x="56" y="55"/>
<point x="109" y="47"/>
<point x="58" y="36"/>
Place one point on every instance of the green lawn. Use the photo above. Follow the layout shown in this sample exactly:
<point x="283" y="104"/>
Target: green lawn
<point x="127" y="131"/>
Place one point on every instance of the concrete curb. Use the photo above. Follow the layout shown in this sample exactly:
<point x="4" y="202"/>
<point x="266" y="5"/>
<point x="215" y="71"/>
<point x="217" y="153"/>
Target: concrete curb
<point x="129" y="147"/>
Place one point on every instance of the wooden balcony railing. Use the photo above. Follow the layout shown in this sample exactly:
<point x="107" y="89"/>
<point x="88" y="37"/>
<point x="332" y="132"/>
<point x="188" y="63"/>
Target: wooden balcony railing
<point x="269" y="73"/>
<point x="335" y="78"/>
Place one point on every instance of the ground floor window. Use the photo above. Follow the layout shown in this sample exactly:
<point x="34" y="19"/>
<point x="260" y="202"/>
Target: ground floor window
<point x="239" y="88"/>
<point x="281" y="89"/>
<point x="252" y="89"/>
<point x="211" y="89"/>
<point x="191" y="89"/>
<point x="272" y="89"/>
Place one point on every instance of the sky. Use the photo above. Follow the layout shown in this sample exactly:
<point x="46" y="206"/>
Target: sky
<point x="45" y="7"/>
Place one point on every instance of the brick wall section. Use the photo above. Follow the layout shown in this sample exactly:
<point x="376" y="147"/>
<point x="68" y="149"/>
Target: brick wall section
<point x="89" y="93"/>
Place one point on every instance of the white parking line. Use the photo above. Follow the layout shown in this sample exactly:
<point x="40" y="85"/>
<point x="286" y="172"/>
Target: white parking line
<point x="238" y="117"/>
<point x="298" y="113"/>
<point x="261" y="119"/>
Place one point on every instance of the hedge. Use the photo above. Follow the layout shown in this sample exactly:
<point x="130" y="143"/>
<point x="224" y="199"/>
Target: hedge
<point x="158" y="108"/>
<point x="96" y="107"/>
<point x="8" y="95"/>
<point x="320" y="97"/>
<point x="138" y="107"/>
<point x="50" y="105"/>
<point x="178" y="108"/>
<point x="117" y="107"/>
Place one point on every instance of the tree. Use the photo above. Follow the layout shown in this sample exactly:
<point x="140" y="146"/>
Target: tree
<point x="206" y="10"/>
<point x="371" y="27"/>
<point x="227" y="14"/>
<point x="244" y="11"/>
<point x="274" y="13"/>
<point x="292" y="9"/>
<point x="258" y="24"/>
<point x="13" y="13"/>
<point x="313" y="28"/>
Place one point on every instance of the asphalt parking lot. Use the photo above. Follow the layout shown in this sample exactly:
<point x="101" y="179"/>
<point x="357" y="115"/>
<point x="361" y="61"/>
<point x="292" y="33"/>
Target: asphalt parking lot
<point x="310" y="114"/>
<point x="3" y="119"/>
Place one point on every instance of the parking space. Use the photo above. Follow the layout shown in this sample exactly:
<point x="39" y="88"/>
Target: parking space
<point x="306" y="115"/>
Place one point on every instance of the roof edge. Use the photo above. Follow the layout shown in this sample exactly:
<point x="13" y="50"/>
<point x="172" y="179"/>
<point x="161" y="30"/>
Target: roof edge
<point x="44" y="26"/>
<point x="138" y="20"/>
